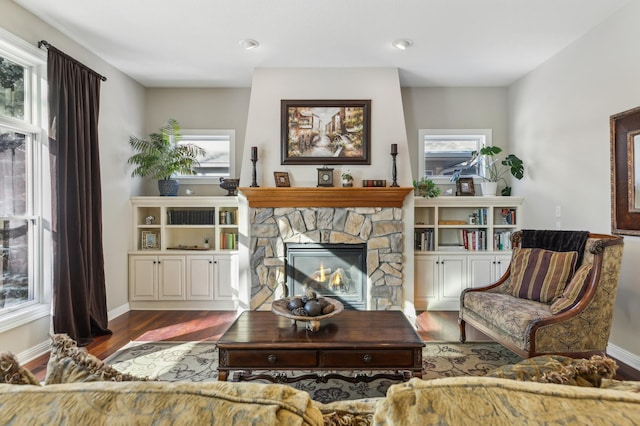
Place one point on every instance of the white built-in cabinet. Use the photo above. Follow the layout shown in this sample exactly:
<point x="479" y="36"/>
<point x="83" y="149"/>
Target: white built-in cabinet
<point x="460" y="242"/>
<point x="184" y="253"/>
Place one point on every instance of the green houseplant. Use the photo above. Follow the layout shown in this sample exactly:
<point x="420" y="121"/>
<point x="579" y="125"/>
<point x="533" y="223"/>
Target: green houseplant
<point x="347" y="178"/>
<point x="426" y="188"/>
<point x="495" y="169"/>
<point x="162" y="156"/>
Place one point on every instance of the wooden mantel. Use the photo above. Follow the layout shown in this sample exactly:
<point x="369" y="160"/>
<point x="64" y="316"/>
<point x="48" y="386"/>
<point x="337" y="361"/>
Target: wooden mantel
<point x="325" y="197"/>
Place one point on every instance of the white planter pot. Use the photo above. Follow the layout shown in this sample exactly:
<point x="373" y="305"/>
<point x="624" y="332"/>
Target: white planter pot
<point x="489" y="189"/>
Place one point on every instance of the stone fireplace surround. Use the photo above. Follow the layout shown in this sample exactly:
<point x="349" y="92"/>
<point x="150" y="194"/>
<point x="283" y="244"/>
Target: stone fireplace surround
<point x="327" y="215"/>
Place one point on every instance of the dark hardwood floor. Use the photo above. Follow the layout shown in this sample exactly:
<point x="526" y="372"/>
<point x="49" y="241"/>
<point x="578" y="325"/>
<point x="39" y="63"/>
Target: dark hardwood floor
<point x="210" y="325"/>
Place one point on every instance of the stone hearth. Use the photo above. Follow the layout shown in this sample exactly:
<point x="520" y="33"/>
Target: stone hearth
<point x="380" y="228"/>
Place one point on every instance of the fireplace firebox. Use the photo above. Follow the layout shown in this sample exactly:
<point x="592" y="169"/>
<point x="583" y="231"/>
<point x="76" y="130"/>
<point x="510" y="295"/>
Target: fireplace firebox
<point x="332" y="270"/>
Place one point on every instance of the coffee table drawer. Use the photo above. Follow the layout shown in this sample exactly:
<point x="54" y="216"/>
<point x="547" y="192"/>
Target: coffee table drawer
<point x="368" y="358"/>
<point x="273" y="358"/>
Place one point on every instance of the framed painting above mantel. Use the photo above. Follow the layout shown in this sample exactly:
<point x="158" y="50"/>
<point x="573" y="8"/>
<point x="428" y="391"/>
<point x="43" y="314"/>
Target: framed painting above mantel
<point x="325" y="132"/>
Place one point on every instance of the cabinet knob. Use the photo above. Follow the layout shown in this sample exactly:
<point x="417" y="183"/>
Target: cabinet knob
<point x="367" y="358"/>
<point x="211" y="261"/>
<point x="272" y="359"/>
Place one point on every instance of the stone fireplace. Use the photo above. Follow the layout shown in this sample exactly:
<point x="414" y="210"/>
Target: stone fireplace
<point x="344" y="221"/>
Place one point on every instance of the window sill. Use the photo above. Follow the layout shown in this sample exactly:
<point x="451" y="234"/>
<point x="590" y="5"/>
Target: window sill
<point x="23" y="316"/>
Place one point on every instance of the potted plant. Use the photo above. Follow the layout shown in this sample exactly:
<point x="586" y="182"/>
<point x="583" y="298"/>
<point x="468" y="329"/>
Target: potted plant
<point x="495" y="169"/>
<point x="162" y="156"/>
<point x="426" y="188"/>
<point x="347" y="178"/>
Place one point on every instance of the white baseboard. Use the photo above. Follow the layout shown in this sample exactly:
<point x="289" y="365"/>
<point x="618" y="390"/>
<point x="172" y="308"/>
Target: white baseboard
<point x="114" y="313"/>
<point x="34" y="352"/>
<point x="622" y="355"/>
<point x="44" y="347"/>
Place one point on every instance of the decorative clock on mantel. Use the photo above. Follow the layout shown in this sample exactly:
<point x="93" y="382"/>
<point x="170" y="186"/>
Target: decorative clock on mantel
<point x="325" y="176"/>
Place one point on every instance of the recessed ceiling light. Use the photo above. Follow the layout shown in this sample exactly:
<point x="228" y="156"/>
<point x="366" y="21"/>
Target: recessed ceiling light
<point x="402" y="44"/>
<point x="249" y="43"/>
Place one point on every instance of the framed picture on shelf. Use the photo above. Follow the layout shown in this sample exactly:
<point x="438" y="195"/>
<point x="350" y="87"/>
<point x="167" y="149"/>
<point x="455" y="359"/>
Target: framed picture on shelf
<point x="282" y="179"/>
<point x="464" y="186"/>
<point x="149" y="240"/>
<point x="325" y="131"/>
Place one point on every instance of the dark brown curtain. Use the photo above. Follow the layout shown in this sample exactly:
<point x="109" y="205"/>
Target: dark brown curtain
<point x="79" y="295"/>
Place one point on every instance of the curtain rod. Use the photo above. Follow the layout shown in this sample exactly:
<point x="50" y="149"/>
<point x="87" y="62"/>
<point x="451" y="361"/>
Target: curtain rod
<point x="48" y="46"/>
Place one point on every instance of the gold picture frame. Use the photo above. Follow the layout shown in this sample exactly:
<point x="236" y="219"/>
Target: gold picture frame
<point x="149" y="240"/>
<point x="282" y="179"/>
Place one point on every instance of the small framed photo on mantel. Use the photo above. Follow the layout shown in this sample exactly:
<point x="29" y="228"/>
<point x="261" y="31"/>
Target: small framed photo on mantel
<point x="282" y="179"/>
<point x="464" y="186"/>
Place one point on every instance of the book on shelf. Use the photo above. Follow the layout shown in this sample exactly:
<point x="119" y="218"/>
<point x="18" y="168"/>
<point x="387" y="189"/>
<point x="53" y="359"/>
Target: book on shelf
<point x="508" y="216"/>
<point x="474" y="240"/>
<point x="227" y="217"/>
<point x="228" y="241"/>
<point x="423" y="240"/>
<point x="502" y="241"/>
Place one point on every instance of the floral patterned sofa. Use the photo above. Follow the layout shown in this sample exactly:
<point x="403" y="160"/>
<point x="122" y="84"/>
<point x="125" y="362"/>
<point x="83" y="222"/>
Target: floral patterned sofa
<point x="81" y="390"/>
<point x="549" y="302"/>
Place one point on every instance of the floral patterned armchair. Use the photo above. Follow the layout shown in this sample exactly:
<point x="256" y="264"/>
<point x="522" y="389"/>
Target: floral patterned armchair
<point x="575" y="322"/>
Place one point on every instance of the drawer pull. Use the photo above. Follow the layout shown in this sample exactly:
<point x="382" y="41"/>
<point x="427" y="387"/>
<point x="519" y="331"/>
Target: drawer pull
<point x="367" y="359"/>
<point x="272" y="359"/>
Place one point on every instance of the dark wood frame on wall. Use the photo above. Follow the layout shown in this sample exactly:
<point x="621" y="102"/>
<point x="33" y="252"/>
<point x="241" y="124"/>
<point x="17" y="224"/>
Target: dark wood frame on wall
<point x="467" y="183"/>
<point x="297" y="141"/>
<point x="625" y="216"/>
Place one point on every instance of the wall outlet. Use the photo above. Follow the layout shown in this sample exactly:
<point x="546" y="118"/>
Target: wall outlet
<point x="558" y="225"/>
<point x="558" y="211"/>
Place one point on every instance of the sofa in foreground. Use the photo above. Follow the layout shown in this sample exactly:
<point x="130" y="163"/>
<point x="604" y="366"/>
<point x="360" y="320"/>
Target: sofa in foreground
<point x="81" y="390"/>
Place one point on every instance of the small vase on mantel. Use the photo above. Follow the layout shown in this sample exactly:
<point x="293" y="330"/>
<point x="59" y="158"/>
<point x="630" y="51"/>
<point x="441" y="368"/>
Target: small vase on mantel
<point x="489" y="189"/>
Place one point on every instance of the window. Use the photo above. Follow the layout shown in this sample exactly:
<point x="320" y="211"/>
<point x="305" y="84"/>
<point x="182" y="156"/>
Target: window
<point x="219" y="158"/>
<point x="443" y="151"/>
<point x="23" y="145"/>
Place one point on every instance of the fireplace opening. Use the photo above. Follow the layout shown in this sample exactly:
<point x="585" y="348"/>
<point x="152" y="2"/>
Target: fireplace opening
<point x="332" y="270"/>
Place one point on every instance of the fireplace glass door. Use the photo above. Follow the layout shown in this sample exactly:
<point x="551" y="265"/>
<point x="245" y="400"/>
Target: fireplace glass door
<point x="332" y="270"/>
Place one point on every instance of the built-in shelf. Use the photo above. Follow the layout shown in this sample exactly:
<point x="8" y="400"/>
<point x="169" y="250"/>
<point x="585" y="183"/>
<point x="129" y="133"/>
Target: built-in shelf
<point x="325" y="197"/>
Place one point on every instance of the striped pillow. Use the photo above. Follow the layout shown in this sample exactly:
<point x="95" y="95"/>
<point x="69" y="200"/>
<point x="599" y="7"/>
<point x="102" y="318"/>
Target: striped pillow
<point x="540" y="275"/>
<point x="574" y="291"/>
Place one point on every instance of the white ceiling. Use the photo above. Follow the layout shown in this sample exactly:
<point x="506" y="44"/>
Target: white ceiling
<point x="195" y="43"/>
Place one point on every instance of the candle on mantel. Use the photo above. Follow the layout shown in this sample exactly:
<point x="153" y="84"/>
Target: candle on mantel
<point x="394" y="148"/>
<point x="254" y="152"/>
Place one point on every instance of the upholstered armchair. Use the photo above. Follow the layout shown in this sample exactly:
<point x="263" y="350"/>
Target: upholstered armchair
<point x="574" y="320"/>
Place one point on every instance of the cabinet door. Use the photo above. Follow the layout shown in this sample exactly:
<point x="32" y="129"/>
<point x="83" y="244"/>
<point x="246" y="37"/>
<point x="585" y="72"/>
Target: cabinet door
<point x="502" y="264"/>
<point x="226" y="277"/>
<point x="453" y="273"/>
<point x="481" y="270"/>
<point x="200" y="277"/>
<point x="171" y="278"/>
<point x="426" y="279"/>
<point x="143" y="277"/>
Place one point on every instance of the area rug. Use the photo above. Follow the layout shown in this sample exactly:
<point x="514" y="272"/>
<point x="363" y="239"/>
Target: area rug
<point x="198" y="362"/>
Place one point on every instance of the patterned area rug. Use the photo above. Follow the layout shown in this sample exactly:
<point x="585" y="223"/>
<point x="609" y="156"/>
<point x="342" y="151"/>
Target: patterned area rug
<point x="198" y="362"/>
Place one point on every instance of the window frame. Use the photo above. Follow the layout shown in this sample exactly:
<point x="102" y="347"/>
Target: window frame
<point x="35" y="110"/>
<point x="192" y="136"/>
<point x="485" y="137"/>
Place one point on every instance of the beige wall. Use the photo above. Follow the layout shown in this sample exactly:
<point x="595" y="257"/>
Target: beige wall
<point x="559" y="124"/>
<point x="121" y="113"/>
<point x="454" y="108"/>
<point x="210" y="108"/>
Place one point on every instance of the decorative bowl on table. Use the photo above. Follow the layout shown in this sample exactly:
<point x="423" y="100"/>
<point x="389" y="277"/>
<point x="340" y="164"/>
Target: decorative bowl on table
<point x="281" y="307"/>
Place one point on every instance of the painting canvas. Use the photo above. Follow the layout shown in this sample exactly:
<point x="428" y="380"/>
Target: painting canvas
<point x="326" y="132"/>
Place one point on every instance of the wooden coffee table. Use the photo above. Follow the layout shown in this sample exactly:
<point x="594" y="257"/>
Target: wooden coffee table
<point x="352" y="340"/>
